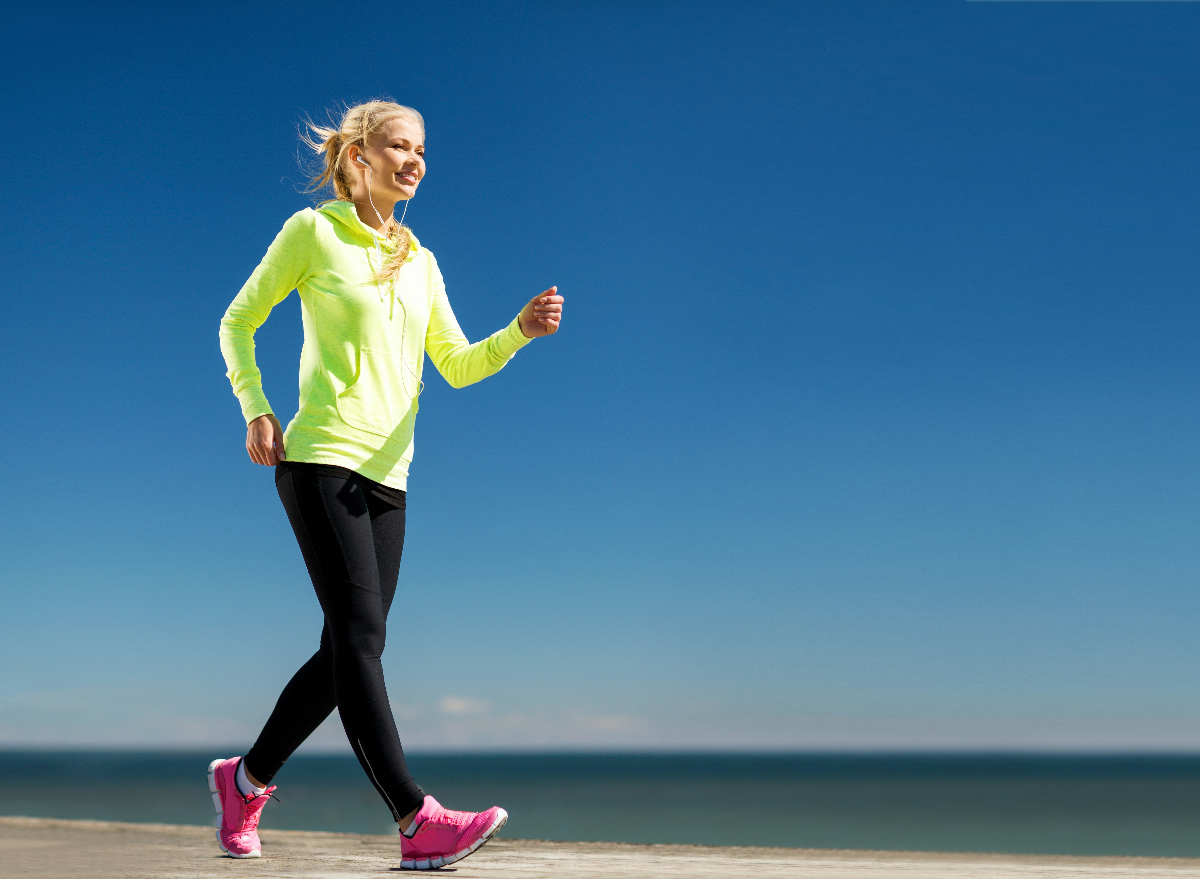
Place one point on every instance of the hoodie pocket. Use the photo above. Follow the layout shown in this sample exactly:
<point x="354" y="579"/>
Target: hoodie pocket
<point x="381" y="397"/>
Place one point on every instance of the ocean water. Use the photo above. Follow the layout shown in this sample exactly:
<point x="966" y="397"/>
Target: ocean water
<point x="1088" y="805"/>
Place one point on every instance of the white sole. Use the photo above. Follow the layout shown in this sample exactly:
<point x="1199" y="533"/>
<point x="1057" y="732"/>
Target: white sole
<point x="216" y="796"/>
<point x="446" y="860"/>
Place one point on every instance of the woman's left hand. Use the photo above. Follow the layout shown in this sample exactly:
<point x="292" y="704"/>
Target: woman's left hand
<point x="542" y="315"/>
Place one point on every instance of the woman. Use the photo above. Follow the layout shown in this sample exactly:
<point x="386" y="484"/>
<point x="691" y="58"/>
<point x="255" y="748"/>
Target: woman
<point x="373" y="305"/>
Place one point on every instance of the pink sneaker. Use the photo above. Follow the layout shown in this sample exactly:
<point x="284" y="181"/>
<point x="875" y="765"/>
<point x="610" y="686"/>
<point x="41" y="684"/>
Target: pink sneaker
<point x="237" y="826"/>
<point x="444" y="837"/>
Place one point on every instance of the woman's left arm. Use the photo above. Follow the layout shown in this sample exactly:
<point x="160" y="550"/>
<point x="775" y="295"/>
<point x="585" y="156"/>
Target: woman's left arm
<point x="462" y="363"/>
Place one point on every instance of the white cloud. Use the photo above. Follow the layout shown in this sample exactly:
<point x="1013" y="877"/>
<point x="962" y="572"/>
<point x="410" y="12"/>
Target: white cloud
<point x="140" y="717"/>
<point x="459" y="705"/>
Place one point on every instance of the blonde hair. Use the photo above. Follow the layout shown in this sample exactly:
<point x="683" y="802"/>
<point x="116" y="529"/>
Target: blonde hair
<point x="331" y="143"/>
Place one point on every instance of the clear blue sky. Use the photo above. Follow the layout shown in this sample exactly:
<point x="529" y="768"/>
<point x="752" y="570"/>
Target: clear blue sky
<point x="872" y="422"/>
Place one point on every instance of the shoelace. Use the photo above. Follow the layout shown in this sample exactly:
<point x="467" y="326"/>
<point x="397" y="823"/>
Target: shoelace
<point x="453" y="818"/>
<point x="251" y="819"/>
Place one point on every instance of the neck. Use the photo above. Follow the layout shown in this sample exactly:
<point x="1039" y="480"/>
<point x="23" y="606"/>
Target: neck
<point x="368" y="215"/>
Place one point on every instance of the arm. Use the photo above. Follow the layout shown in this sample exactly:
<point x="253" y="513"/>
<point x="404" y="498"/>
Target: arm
<point x="462" y="363"/>
<point x="280" y="271"/>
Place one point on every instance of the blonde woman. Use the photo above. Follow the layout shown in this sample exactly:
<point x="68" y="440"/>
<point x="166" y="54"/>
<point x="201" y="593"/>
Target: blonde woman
<point x="373" y="304"/>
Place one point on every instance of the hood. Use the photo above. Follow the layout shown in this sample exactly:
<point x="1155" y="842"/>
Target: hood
<point x="344" y="214"/>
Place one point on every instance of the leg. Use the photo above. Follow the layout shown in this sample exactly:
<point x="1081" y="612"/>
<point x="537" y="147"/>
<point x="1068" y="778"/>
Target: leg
<point x="333" y="521"/>
<point x="303" y="705"/>
<point x="309" y="696"/>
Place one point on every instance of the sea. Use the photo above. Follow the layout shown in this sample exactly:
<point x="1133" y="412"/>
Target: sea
<point x="1015" y="803"/>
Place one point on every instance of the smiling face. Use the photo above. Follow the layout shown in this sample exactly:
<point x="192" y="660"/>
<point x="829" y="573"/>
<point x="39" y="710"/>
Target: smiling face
<point x="396" y="155"/>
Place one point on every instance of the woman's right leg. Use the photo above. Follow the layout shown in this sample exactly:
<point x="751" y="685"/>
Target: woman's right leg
<point x="303" y="705"/>
<point x="343" y="545"/>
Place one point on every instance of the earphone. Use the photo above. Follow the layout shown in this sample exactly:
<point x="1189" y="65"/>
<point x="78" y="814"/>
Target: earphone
<point x="363" y="161"/>
<point x="379" y="254"/>
<point x="382" y="222"/>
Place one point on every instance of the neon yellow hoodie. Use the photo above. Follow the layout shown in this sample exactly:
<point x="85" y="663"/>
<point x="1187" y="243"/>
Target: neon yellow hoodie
<point x="364" y="342"/>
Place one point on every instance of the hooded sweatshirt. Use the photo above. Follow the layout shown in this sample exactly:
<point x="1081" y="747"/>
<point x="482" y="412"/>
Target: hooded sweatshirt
<point x="364" y="342"/>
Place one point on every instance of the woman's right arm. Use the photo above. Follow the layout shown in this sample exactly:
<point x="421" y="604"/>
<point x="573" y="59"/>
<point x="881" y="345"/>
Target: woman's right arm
<point x="281" y="271"/>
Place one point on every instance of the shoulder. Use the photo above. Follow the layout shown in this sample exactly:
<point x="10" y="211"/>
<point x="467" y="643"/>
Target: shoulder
<point x="302" y="221"/>
<point x="295" y="238"/>
<point x="298" y="227"/>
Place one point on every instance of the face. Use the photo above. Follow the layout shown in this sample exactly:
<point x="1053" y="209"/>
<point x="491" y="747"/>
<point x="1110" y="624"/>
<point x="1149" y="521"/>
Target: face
<point x="396" y="155"/>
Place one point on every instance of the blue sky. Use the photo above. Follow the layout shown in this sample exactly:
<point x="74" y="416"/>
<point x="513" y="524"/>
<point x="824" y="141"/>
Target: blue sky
<point x="872" y="422"/>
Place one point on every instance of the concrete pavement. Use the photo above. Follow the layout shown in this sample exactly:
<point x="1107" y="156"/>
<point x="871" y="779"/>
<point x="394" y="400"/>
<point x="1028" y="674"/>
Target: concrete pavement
<point x="40" y="848"/>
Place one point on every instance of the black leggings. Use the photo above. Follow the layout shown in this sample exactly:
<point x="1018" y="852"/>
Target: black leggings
<point x="351" y="532"/>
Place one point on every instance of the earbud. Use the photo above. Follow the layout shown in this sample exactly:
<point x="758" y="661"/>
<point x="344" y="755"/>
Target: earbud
<point x="361" y="161"/>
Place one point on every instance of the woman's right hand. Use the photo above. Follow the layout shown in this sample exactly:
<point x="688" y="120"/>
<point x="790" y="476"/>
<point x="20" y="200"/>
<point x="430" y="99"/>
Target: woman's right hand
<point x="264" y="440"/>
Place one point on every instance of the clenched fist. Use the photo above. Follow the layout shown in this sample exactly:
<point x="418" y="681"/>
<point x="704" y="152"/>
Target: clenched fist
<point x="542" y="315"/>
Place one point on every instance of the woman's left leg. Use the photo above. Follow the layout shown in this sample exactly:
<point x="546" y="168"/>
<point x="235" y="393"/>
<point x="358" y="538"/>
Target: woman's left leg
<point x="351" y="534"/>
<point x="351" y="541"/>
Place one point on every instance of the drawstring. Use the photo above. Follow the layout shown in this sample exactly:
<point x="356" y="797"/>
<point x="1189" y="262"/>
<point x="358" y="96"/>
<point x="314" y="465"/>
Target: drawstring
<point x="376" y="272"/>
<point x="391" y="289"/>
